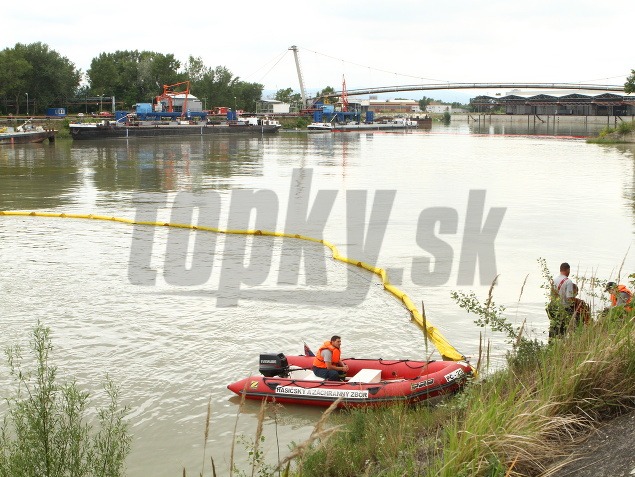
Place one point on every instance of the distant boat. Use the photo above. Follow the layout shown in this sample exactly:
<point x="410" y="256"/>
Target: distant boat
<point x="392" y="124"/>
<point x="129" y="127"/>
<point x="320" y="127"/>
<point x="26" y="133"/>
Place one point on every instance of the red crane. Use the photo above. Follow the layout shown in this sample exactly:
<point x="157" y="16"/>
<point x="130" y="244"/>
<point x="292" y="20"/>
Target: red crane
<point x="344" y="95"/>
<point x="169" y="93"/>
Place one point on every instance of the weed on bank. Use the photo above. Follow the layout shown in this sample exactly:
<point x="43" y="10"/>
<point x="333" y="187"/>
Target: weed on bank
<point x="46" y="431"/>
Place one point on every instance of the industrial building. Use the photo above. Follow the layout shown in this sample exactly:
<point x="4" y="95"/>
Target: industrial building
<point x="178" y="100"/>
<point x="272" y="106"/>
<point x="438" y="108"/>
<point x="563" y="103"/>
<point x="404" y="106"/>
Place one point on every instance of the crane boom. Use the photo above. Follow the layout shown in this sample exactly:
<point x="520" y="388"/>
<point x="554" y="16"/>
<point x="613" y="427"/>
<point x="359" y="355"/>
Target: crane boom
<point x="297" y="65"/>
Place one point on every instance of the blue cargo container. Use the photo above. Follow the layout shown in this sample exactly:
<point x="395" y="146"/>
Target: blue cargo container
<point x="120" y="114"/>
<point x="55" y="112"/>
<point x="144" y="113"/>
<point x="143" y="108"/>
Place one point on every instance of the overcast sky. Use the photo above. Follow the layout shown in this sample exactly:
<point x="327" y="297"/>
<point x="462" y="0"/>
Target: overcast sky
<point x="372" y="43"/>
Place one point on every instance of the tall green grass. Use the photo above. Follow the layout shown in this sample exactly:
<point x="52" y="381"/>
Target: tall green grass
<point x="521" y="420"/>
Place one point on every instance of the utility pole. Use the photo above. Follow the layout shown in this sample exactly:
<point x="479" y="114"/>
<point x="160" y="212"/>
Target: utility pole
<point x="297" y="65"/>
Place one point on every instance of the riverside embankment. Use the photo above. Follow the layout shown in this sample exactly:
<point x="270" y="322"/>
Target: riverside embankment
<point x="542" y="118"/>
<point x="547" y="125"/>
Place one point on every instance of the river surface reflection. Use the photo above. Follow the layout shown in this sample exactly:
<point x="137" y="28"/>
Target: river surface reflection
<point x="172" y="346"/>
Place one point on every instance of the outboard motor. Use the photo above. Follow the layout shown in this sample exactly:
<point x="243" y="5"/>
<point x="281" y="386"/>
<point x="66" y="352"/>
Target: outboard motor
<point x="274" y="365"/>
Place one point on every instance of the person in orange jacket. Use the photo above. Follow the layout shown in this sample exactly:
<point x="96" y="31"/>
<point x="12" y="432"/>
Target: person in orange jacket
<point x="620" y="295"/>
<point x="328" y="362"/>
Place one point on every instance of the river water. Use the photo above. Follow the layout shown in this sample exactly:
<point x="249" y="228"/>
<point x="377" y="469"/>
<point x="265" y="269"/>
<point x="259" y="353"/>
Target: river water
<point x="174" y="341"/>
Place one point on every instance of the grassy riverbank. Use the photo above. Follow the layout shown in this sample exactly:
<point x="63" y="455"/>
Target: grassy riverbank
<point x="518" y="421"/>
<point x="623" y="133"/>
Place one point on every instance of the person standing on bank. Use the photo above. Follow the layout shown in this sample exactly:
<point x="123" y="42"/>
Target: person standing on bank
<point x="562" y="303"/>
<point x="327" y="363"/>
<point x="564" y="286"/>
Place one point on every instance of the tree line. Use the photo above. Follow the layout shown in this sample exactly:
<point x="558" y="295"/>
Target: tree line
<point x="36" y="74"/>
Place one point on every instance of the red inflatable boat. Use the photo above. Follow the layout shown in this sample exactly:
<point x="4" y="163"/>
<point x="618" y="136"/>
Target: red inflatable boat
<point x="368" y="382"/>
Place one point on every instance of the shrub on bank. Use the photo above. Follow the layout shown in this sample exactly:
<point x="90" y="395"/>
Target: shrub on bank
<point x="64" y="131"/>
<point x="45" y="432"/>
<point x="609" y="135"/>
<point x="299" y="122"/>
<point x="625" y="128"/>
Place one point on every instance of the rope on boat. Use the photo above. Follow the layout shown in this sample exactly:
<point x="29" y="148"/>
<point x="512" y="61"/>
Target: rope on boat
<point x="447" y="351"/>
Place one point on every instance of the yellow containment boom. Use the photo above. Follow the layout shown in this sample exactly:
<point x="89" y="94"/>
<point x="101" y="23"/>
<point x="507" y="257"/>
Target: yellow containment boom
<point x="447" y="351"/>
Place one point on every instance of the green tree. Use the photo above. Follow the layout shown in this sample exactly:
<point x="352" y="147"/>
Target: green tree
<point x="14" y="72"/>
<point x="629" y="86"/>
<point x="423" y="102"/>
<point x="326" y="95"/>
<point x="248" y="94"/>
<point x="34" y="69"/>
<point x="201" y="78"/>
<point x="287" y="96"/>
<point x="45" y="431"/>
<point x="156" y="70"/>
<point x="221" y="87"/>
<point x="196" y="71"/>
<point x="132" y="76"/>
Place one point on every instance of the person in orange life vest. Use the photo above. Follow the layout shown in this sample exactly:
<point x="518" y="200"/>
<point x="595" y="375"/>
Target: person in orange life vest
<point x="620" y="295"/>
<point x="327" y="363"/>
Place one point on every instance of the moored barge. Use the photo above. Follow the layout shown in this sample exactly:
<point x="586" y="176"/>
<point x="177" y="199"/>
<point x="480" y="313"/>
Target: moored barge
<point x="108" y="129"/>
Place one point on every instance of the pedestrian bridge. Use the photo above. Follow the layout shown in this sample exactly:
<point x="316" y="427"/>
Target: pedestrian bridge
<point x="455" y="86"/>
